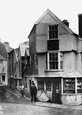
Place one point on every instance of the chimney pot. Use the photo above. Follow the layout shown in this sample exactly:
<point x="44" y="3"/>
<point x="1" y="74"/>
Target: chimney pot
<point x="66" y="22"/>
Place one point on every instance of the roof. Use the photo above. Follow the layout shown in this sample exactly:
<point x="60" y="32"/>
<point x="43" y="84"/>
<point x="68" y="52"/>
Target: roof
<point x="73" y="74"/>
<point x="2" y="58"/>
<point x="55" y="18"/>
<point x="16" y="53"/>
<point x="8" y="48"/>
<point x="3" y="51"/>
<point x="22" y="47"/>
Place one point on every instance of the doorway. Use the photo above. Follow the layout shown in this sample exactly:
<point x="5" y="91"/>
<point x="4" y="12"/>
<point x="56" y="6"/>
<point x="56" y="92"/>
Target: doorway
<point x="56" y="95"/>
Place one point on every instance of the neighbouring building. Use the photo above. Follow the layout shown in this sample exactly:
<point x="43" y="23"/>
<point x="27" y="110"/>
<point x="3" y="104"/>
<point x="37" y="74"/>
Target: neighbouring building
<point x="13" y="69"/>
<point x="56" y="60"/>
<point x="22" y="58"/>
<point x="17" y="65"/>
<point x="4" y="49"/>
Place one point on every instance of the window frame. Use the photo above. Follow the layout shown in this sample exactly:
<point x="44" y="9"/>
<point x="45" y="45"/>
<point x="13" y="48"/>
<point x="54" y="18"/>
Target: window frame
<point x="49" y="86"/>
<point x="69" y="86"/>
<point x="54" y="30"/>
<point x="59" y="60"/>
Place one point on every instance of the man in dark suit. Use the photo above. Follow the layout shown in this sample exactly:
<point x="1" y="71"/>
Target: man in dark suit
<point x="33" y="92"/>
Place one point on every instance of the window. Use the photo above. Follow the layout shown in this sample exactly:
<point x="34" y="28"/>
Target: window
<point x="53" y="60"/>
<point x="79" y="85"/>
<point x="61" y="61"/>
<point x="48" y="86"/>
<point x="69" y="85"/>
<point x="40" y="85"/>
<point x="53" y="32"/>
<point x="3" y="77"/>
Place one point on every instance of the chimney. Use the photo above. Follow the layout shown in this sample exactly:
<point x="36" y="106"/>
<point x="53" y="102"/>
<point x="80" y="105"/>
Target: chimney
<point x="66" y="22"/>
<point x="80" y="24"/>
<point x="6" y="43"/>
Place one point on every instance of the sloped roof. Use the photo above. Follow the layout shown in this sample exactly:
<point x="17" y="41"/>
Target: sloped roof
<point x="73" y="74"/>
<point x="2" y="58"/>
<point x="16" y="54"/>
<point x="3" y="51"/>
<point x="8" y="48"/>
<point x="55" y="18"/>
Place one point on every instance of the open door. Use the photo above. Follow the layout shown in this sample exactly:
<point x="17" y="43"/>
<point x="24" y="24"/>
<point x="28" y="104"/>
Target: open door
<point x="56" y="96"/>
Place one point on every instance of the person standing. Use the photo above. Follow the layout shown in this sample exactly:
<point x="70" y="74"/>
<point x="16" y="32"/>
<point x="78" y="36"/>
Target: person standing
<point x="22" y="90"/>
<point x="33" y="92"/>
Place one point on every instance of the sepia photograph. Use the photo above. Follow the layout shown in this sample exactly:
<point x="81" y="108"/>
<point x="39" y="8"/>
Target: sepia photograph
<point x="40" y="57"/>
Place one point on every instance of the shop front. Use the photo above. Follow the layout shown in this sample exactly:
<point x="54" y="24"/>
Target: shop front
<point x="71" y="91"/>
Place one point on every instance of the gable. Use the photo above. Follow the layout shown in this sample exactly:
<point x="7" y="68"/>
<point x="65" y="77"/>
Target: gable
<point x="49" y="19"/>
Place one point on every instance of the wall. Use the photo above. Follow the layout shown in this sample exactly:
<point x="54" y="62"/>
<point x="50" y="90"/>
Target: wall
<point x="69" y="62"/>
<point x="33" y="56"/>
<point x="70" y="99"/>
<point x="78" y="62"/>
<point x="67" y="42"/>
<point x="41" y="64"/>
<point x="42" y="33"/>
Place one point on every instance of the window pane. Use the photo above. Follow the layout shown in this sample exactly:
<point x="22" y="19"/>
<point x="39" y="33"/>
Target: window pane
<point x="48" y="86"/>
<point x="61" y="64"/>
<point x="40" y="85"/>
<point x="69" y="85"/>
<point x="53" y="60"/>
<point x="79" y="85"/>
<point x="53" y="32"/>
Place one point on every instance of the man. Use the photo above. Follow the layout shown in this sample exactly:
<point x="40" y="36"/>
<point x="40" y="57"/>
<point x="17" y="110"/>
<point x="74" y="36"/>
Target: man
<point x="22" y="90"/>
<point x="33" y="92"/>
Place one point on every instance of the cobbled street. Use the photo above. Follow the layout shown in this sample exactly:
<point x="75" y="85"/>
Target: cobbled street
<point x="38" y="109"/>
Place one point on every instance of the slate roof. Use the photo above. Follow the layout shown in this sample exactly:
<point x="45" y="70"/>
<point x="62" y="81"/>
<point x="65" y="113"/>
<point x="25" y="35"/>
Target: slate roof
<point x="55" y="18"/>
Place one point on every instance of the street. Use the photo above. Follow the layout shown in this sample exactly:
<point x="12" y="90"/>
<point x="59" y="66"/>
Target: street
<point x="34" y="109"/>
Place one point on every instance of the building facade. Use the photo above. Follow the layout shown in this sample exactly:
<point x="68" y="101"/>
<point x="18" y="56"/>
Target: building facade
<point x="4" y="49"/>
<point x="17" y="65"/>
<point x="56" y="60"/>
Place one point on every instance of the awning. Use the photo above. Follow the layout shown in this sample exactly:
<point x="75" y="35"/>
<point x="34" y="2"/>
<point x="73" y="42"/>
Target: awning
<point x="73" y="74"/>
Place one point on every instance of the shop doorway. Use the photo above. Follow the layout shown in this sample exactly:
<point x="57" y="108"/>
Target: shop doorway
<point x="56" y="96"/>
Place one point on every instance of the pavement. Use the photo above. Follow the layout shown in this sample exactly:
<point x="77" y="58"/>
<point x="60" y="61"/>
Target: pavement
<point x="53" y="105"/>
<point x="27" y="100"/>
<point x="1" y="111"/>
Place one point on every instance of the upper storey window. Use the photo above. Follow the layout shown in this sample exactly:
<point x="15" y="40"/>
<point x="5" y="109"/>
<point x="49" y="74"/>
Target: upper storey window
<point x="53" y="32"/>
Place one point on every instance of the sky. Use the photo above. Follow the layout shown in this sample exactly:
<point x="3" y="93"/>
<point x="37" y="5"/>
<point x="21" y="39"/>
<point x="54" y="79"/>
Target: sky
<point x="17" y="17"/>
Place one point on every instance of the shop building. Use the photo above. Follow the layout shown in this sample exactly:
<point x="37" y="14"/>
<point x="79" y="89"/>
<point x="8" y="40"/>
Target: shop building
<point x="56" y="60"/>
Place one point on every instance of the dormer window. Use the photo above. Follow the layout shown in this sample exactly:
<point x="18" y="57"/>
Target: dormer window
<point x="53" y="32"/>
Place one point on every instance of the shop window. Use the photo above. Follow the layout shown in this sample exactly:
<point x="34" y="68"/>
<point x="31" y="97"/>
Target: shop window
<point x="68" y="85"/>
<point x="40" y="85"/>
<point x="79" y="85"/>
<point x="48" y="86"/>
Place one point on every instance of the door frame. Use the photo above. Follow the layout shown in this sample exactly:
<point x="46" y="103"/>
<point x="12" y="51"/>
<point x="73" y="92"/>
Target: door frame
<point x="56" y="91"/>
